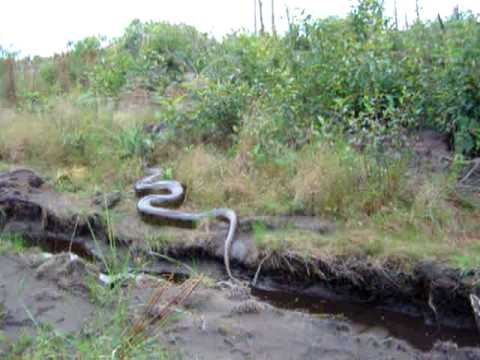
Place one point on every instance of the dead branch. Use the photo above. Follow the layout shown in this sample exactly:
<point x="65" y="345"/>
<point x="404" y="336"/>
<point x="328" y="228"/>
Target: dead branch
<point x="476" y="165"/>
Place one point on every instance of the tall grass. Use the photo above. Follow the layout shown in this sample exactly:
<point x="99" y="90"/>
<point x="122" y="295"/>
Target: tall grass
<point x="86" y="145"/>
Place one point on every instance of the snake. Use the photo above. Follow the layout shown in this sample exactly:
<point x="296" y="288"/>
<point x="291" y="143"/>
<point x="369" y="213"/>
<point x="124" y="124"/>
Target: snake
<point x="156" y="195"/>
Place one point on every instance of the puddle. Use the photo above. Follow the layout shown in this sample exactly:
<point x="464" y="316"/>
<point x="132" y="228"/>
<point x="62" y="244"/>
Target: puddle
<point x="369" y="318"/>
<point x="56" y="246"/>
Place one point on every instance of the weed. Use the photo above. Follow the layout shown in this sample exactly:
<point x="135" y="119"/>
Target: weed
<point x="259" y="232"/>
<point x="11" y="243"/>
<point x="108" y="336"/>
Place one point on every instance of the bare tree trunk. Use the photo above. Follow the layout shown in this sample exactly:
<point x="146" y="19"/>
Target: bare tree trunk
<point x="262" y="25"/>
<point x="288" y="18"/>
<point x="274" y="29"/>
<point x="255" y="15"/>
<point x="10" y="90"/>
<point x="440" y="21"/>
<point x="456" y="12"/>
<point x="417" y="9"/>
<point x="406" y="21"/>
<point x="396" y="14"/>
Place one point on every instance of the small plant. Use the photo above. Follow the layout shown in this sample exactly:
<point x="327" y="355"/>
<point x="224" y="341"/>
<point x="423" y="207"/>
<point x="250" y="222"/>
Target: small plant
<point x="11" y="243"/>
<point x="134" y="142"/>
<point x="259" y="232"/>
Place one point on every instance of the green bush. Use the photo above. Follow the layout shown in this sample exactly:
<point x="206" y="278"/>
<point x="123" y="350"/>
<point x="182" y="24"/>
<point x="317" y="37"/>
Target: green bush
<point x="356" y="75"/>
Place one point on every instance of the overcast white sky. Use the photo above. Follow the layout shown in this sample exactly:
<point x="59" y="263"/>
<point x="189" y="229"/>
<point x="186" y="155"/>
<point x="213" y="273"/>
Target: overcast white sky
<point x="42" y="27"/>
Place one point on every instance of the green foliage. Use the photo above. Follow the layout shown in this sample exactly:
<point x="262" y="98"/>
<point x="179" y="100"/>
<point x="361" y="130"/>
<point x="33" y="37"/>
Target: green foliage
<point x="110" y="74"/>
<point x="11" y="243"/>
<point x="218" y="111"/>
<point x="133" y="141"/>
<point x="355" y="75"/>
<point x="82" y="57"/>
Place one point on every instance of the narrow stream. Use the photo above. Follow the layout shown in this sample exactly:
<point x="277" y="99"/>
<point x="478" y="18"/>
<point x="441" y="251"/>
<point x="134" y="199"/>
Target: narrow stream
<point x="365" y="318"/>
<point x="368" y="318"/>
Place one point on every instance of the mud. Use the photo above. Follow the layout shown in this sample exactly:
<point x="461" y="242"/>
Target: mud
<point x="28" y="300"/>
<point x="31" y="207"/>
<point x="214" y="323"/>
<point x="223" y="323"/>
<point x="371" y="319"/>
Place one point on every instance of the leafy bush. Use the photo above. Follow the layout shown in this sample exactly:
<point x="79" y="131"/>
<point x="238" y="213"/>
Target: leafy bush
<point x="356" y="75"/>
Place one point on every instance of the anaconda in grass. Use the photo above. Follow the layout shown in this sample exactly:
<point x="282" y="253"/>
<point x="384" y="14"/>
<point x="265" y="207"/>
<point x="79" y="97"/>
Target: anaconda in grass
<point x="156" y="195"/>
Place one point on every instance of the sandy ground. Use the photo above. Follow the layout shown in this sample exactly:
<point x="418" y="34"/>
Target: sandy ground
<point x="215" y="323"/>
<point x="28" y="300"/>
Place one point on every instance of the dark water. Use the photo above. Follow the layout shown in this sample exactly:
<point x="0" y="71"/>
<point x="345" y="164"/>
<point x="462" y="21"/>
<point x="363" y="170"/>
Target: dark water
<point x="364" y="317"/>
<point x="58" y="245"/>
<point x="369" y="318"/>
<point x="410" y="327"/>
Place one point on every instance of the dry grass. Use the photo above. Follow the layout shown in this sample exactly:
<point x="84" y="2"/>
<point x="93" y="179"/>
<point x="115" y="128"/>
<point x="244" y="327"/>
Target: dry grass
<point x="88" y="147"/>
<point x="212" y="180"/>
<point x="381" y="210"/>
<point x="154" y="312"/>
<point x="316" y="181"/>
<point x="28" y="137"/>
<point x="324" y="182"/>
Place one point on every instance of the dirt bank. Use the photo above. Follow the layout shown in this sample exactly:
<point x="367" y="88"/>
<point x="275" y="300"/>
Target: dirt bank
<point x="31" y="207"/>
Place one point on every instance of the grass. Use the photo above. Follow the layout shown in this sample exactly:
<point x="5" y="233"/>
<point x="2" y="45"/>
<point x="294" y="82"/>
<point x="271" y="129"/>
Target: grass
<point x="75" y="146"/>
<point x="109" y="335"/>
<point x="116" y="331"/>
<point x="112" y="333"/>
<point x="11" y="243"/>
<point x="381" y="207"/>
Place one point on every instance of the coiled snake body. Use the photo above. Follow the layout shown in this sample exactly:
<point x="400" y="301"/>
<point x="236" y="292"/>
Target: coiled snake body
<point x="156" y="194"/>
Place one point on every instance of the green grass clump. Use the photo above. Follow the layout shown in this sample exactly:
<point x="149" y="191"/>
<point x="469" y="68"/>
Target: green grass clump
<point x="11" y="243"/>
<point x="106" y="337"/>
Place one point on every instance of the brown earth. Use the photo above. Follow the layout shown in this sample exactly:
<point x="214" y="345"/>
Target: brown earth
<point x="27" y="299"/>
<point x="31" y="207"/>
<point x="215" y="323"/>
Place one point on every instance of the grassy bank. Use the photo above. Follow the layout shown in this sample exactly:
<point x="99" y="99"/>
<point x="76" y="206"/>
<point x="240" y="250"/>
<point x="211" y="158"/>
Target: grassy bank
<point x="318" y="121"/>
<point x="382" y="205"/>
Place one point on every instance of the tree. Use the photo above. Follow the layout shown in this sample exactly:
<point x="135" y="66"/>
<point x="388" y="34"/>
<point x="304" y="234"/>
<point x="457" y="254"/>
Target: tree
<point x="274" y="30"/>
<point x="368" y="18"/>
<point x="456" y="12"/>
<point x="396" y="14"/>
<point x="262" y="25"/>
<point x="10" y="90"/>
<point x="255" y="15"/>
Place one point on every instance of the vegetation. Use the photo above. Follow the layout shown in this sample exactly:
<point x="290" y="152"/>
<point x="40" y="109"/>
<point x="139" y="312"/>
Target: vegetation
<point x="11" y="243"/>
<point x="106" y="337"/>
<point x="316" y="121"/>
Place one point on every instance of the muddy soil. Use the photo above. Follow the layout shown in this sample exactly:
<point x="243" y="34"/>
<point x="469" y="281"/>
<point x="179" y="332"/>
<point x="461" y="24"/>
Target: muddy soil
<point x="232" y="325"/>
<point x="28" y="299"/>
<point x="215" y="323"/>
<point x="237" y="329"/>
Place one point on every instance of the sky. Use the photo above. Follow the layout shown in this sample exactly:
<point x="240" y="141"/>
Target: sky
<point x="43" y="27"/>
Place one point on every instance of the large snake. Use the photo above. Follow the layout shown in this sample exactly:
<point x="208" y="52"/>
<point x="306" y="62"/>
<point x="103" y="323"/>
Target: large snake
<point x="156" y="194"/>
